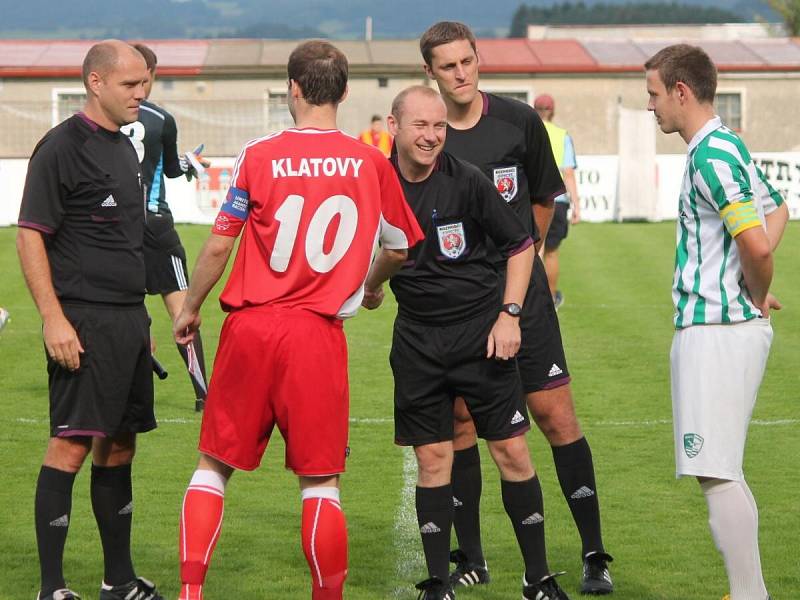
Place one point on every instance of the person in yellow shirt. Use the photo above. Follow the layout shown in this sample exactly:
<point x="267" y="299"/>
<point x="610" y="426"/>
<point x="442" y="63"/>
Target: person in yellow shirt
<point x="564" y="153"/>
<point x="377" y="136"/>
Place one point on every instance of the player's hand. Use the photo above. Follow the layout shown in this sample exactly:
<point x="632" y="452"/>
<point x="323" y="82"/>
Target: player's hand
<point x="62" y="343"/>
<point x="575" y="216"/>
<point x="185" y="327"/>
<point x="770" y="303"/>
<point x="152" y="345"/>
<point x="504" y="338"/>
<point x="372" y="299"/>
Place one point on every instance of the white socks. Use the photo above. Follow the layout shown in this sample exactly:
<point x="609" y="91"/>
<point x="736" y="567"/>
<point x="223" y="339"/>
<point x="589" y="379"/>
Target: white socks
<point x="733" y="517"/>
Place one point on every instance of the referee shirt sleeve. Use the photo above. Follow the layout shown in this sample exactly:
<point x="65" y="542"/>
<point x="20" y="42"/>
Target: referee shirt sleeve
<point x="496" y="217"/>
<point x="45" y="190"/>
<point x="541" y="170"/>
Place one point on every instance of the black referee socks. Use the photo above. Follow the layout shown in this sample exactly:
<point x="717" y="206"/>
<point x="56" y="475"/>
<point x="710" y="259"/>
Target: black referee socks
<point x="467" y="486"/>
<point x="525" y="507"/>
<point x="435" y="519"/>
<point x="112" y="503"/>
<point x="576" y="475"/>
<point x="52" y="509"/>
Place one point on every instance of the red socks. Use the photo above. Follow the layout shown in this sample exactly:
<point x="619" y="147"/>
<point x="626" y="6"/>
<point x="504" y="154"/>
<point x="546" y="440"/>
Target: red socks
<point x="324" y="536"/>
<point x="201" y="521"/>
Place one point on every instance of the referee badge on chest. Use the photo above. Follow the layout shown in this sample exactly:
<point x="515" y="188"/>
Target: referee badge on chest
<point x="505" y="180"/>
<point x="452" y="242"/>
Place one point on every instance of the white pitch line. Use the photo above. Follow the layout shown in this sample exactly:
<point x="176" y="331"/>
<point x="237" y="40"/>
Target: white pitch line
<point x="406" y="533"/>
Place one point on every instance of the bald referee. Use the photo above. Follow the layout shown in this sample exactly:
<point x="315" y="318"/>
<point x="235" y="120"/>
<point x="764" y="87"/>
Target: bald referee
<point x="80" y="246"/>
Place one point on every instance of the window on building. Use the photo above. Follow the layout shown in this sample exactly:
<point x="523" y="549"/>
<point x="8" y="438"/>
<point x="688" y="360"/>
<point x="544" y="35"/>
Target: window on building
<point x="729" y="108"/>
<point x="66" y="102"/>
<point x="278" y="116"/>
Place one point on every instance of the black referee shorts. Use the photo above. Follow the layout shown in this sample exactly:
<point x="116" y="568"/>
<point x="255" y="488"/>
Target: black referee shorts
<point x="164" y="256"/>
<point x="432" y="365"/>
<point x="559" y="227"/>
<point x="541" y="360"/>
<point x="112" y="390"/>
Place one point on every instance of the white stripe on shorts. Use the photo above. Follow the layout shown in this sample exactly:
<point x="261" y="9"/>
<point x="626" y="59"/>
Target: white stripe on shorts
<point x="180" y="276"/>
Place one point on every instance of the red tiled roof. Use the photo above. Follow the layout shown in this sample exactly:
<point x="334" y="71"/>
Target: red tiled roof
<point x="54" y="58"/>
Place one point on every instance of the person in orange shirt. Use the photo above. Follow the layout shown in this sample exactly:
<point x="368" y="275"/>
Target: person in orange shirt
<point x="377" y="136"/>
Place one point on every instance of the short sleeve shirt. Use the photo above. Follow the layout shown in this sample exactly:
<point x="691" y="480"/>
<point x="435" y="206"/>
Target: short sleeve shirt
<point x="510" y="145"/>
<point x="83" y="191"/>
<point x="312" y="205"/>
<point x="723" y="194"/>
<point x="448" y="277"/>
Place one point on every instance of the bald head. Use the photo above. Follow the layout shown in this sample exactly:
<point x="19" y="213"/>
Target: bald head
<point x="410" y="93"/>
<point x="105" y="56"/>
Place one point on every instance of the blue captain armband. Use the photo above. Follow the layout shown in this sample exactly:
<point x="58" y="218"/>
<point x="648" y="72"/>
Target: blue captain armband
<point x="237" y="203"/>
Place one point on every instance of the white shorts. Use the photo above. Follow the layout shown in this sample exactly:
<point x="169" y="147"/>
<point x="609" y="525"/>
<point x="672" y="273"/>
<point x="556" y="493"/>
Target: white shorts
<point x="716" y="373"/>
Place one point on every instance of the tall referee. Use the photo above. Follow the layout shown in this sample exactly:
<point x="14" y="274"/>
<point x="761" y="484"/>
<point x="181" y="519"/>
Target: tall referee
<point x="507" y="140"/>
<point x="80" y="246"/>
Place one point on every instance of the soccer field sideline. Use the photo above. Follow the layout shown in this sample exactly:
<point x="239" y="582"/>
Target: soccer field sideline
<point x="618" y="355"/>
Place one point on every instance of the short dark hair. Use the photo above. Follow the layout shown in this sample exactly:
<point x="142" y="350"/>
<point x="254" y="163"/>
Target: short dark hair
<point x="376" y="118"/>
<point x="149" y="56"/>
<point x="441" y="33"/>
<point x="320" y="69"/>
<point x="688" y="64"/>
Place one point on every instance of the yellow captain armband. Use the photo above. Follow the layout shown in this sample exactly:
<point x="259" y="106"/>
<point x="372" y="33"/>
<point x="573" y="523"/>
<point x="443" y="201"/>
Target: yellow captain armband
<point x="739" y="217"/>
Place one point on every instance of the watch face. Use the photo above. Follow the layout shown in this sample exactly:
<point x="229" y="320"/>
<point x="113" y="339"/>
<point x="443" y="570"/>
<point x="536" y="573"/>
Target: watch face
<point x="512" y="309"/>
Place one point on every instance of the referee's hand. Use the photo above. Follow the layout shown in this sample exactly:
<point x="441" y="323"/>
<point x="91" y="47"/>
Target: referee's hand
<point x="504" y="338"/>
<point x="62" y="343"/>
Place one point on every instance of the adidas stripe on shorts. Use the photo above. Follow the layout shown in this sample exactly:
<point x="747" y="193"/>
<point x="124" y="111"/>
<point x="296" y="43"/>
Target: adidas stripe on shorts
<point x="716" y="372"/>
<point x="433" y="364"/>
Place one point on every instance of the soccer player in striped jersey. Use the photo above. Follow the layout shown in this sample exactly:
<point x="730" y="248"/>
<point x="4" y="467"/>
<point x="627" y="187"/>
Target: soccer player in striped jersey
<point x="723" y="270"/>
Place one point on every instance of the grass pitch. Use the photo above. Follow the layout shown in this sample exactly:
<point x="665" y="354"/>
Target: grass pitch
<point x="617" y="330"/>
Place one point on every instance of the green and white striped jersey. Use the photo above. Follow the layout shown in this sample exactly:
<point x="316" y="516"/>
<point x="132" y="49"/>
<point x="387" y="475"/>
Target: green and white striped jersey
<point x="723" y="193"/>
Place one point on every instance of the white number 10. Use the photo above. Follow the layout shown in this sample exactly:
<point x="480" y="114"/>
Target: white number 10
<point x="288" y="214"/>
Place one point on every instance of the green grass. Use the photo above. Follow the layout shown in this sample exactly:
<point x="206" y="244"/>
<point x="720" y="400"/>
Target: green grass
<point x="616" y="326"/>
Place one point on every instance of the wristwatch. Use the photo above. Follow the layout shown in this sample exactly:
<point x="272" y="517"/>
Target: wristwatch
<point x="512" y="308"/>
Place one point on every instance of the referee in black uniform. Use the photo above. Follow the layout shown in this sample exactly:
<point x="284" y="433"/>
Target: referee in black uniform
<point x="456" y="335"/>
<point x="80" y="246"/>
<point x="155" y="137"/>
<point x="507" y="140"/>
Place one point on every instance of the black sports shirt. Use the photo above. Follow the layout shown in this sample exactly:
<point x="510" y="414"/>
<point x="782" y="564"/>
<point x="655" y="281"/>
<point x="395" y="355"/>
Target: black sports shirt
<point x="155" y="138"/>
<point x="83" y="191"/>
<point x="510" y="145"/>
<point x="448" y="277"/>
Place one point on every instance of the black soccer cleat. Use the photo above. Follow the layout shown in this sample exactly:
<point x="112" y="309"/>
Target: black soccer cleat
<point x="596" y="579"/>
<point x="544" y="589"/>
<point x="62" y="594"/>
<point x="434" y="589"/>
<point x="138" y="589"/>
<point x="467" y="573"/>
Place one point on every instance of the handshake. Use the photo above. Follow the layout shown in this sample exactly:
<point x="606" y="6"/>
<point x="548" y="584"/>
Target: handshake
<point x="192" y="163"/>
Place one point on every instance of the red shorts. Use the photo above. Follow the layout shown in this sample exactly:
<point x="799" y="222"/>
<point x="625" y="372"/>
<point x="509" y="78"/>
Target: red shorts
<point x="284" y="367"/>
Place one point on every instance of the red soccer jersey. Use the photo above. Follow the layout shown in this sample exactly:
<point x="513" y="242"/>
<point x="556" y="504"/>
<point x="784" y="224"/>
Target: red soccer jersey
<point x="313" y="204"/>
